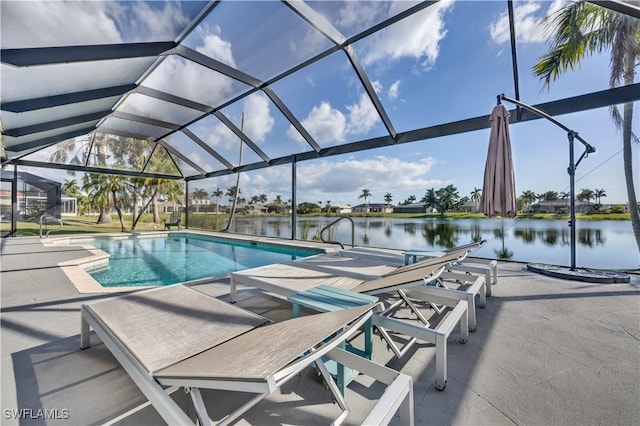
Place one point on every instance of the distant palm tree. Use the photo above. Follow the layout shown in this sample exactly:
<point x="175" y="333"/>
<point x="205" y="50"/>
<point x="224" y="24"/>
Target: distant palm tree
<point x="199" y="194"/>
<point x="277" y="201"/>
<point x="218" y="193"/>
<point x="586" y="195"/>
<point x="430" y="198"/>
<point x="263" y="198"/>
<point x="365" y="194"/>
<point x="410" y="200"/>
<point x="598" y="194"/>
<point x="476" y="195"/>
<point x="70" y="187"/>
<point x="527" y="198"/>
<point x="580" y="29"/>
<point x="388" y="197"/>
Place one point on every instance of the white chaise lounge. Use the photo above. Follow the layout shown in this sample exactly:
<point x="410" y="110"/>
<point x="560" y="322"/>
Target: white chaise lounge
<point x="179" y="337"/>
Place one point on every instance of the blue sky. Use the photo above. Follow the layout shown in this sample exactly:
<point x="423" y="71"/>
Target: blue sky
<point x="445" y="63"/>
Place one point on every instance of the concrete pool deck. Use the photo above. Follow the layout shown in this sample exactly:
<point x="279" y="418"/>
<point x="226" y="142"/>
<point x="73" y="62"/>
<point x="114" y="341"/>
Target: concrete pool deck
<point x="546" y="351"/>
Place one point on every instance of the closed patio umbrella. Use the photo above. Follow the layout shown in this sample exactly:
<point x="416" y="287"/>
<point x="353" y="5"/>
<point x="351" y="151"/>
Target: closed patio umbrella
<point x="499" y="188"/>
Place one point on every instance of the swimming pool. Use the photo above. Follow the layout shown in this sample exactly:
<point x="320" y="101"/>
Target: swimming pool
<point x="175" y="258"/>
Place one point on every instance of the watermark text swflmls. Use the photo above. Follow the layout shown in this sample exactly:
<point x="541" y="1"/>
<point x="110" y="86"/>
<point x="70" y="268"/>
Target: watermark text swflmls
<point x="36" y="413"/>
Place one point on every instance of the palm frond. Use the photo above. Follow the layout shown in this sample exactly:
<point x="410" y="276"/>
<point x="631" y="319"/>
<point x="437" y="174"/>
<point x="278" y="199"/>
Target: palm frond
<point x="579" y="29"/>
<point x="618" y="120"/>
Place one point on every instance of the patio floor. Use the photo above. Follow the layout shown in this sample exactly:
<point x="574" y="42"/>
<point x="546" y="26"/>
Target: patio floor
<point x="546" y="351"/>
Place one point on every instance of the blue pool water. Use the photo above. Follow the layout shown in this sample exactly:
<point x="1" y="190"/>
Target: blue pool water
<point x="168" y="260"/>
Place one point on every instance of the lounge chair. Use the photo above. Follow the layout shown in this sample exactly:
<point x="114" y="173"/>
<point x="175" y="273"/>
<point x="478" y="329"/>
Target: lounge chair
<point x="293" y="277"/>
<point x="174" y="220"/>
<point x="487" y="267"/>
<point x="175" y="336"/>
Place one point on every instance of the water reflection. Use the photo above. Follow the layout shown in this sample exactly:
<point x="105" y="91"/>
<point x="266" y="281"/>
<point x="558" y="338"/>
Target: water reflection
<point x="601" y="244"/>
<point x="504" y="253"/>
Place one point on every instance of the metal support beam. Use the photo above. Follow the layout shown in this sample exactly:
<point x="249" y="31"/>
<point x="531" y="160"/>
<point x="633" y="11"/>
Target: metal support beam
<point x="182" y="157"/>
<point x="65" y="99"/>
<point x="368" y="87"/>
<point x="390" y="21"/>
<point x="215" y="65"/>
<point x="292" y="119"/>
<point x="601" y="99"/>
<point x="144" y="120"/>
<point x="626" y="8"/>
<point x="242" y="136"/>
<point x="317" y="21"/>
<point x="321" y="24"/>
<point x="99" y="52"/>
<point x="207" y="148"/>
<point x="92" y="169"/>
<point x="14" y="202"/>
<point x="56" y="124"/>
<point x="186" y="204"/>
<point x="294" y="202"/>
<point x="51" y="140"/>
<point x="168" y="97"/>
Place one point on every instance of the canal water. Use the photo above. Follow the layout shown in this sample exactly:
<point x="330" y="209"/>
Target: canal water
<point x="599" y="244"/>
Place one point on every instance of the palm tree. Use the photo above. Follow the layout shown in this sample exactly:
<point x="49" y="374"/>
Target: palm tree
<point x="70" y="188"/>
<point x="100" y="187"/>
<point x="581" y="29"/>
<point x="586" y="195"/>
<point x="388" y="197"/>
<point x="476" y="195"/>
<point x="410" y="200"/>
<point x="277" y="201"/>
<point x="430" y="198"/>
<point x="365" y="194"/>
<point x="217" y="193"/>
<point x="92" y="184"/>
<point x="263" y="198"/>
<point x="199" y="194"/>
<point x="528" y="197"/>
<point x="598" y="194"/>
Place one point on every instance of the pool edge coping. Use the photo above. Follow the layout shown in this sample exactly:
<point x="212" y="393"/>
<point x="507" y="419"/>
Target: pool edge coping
<point x="84" y="283"/>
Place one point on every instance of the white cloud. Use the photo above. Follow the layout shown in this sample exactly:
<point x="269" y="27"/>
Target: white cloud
<point x="527" y="23"/>
<point x="356" y="16"/>
<point x="394" y="90"/>
<point x="330" y="126"/>
<point x="345" y="179"/>
<point x="362" y="116"/>
<point x="258" y="120"/>
<point x="417" y="36"/>
<point x="324" y="123"/>
<point x="157" y="24"/>
<point x="214" y="46"/>
<point x="33" y="24"/>
<point x="312" y="43"/>
<point x="377" y="86"/>
<point x="219" y="136"/>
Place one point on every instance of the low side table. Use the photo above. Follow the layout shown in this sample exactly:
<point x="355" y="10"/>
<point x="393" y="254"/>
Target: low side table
<point x="325" y="298"/>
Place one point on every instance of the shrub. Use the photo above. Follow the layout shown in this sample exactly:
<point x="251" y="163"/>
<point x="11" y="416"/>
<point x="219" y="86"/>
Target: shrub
<point x="617" y="209"/>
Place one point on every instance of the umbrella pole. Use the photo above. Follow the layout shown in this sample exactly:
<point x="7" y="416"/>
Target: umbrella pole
<point x="571" y="135"/>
